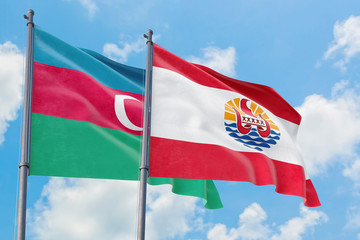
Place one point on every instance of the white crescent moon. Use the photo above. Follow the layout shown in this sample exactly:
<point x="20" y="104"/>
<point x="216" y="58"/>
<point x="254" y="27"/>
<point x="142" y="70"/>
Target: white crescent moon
<point x="121" y="114"/>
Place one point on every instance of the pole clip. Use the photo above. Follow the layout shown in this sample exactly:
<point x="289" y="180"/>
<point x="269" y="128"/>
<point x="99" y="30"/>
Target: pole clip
<point x="148" y="40"/>
<point x="144" y="167"/>
<point x="26" y="164"/>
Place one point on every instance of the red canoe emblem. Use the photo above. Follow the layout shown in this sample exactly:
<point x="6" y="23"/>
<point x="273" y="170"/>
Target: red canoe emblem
<point x="245" y="123"/>
<point x="250" y="124"/>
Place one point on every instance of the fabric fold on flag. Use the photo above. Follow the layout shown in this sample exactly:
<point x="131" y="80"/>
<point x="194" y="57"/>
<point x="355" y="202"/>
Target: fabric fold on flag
<point x="209" y="126"/>
<point x="87" y="118"/>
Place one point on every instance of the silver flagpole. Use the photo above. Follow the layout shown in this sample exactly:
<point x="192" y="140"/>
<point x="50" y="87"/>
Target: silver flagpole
<point x="25" y="145"/>
<point x="144" y="167"/>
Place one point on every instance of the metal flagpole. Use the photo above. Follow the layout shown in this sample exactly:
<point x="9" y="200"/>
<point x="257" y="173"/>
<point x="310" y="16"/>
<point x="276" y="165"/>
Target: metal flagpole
<point x="25" y="145"/>
<point x="144" y="167"/>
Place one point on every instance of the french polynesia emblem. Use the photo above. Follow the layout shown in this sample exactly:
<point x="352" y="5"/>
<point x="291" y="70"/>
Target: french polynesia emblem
<point x="247" y="123"/>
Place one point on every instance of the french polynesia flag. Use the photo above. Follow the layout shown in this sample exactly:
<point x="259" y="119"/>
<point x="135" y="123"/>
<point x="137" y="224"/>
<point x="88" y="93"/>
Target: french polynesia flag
<point x="208" y="126"/>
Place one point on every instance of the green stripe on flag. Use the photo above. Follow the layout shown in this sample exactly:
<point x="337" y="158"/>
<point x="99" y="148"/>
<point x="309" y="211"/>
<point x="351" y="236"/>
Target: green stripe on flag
<point x="67" y="148"/>
<point x="204" y="189"/>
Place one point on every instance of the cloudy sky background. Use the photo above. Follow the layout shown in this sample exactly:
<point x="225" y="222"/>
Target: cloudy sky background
<point x="308" y="52"/>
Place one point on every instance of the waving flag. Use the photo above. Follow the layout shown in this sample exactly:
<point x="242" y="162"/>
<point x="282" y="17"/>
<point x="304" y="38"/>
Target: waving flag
<point x="209" y="126"/>
<point x="87" y="118"/>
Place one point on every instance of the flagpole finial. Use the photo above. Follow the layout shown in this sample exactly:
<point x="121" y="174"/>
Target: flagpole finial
<point x="31" y="12"/>
<point x="148" y="36"/>
<point x="30" y="16"/>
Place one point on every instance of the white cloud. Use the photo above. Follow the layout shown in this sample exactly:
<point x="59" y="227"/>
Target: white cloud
<point x="353" y="172"/>
<point x="170" y="215"/>
<point x="90" y="6"/>
<point x="298" y="226"/>
<point x="11" y="82"/>
<point x="252" y="226"/>
<point x="85" y="209"/>
<point x="353" y="218"/>
<point x="330" y="126"/>
<point x="251" y="223"/>
<point x="220" y="232"/>
<point x="76" y="209"/>
<point x="92" y="209"/>
<point x="221" y="60"/>
<point x="346" y="41"/>
<point x="339" y="87"/>
<point x="121" y="54"/>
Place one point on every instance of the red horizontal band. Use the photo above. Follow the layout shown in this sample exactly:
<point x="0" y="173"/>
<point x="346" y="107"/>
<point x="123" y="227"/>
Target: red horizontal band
<point x="179" y="159"/>
<point x="263" y="95"/>
<point x="74" y="95"/>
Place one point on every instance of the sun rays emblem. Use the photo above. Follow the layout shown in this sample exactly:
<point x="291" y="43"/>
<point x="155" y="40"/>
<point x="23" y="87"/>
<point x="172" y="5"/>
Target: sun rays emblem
<point x="246" y="122"/>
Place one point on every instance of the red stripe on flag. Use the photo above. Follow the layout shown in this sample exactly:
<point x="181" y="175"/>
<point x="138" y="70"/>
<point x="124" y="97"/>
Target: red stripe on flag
<point x="74" y="95"/>
<point x="179" y="159"/>
<point x="311" y="199"/>
<point x="263" y="95"/>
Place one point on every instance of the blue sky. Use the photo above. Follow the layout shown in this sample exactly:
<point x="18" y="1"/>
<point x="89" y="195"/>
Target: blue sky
<point x="307" y="51"/>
